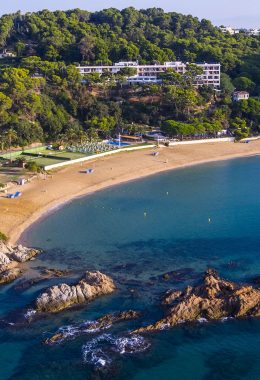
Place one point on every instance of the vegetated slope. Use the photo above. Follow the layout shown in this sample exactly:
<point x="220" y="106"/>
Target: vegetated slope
<point x="59" y="107"/>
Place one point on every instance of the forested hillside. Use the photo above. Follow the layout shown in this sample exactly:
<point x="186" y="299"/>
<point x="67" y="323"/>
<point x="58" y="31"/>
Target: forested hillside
<point x="56" y="105"/>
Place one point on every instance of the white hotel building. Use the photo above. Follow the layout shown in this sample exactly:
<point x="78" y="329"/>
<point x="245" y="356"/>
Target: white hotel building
<point x="149" y="73"/>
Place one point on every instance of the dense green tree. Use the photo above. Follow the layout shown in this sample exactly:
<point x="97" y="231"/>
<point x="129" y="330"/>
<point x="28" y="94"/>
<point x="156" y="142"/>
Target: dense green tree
<point x="226" y="83"/>
<point x="43" y="97"/>
<point x="244" y="84"/>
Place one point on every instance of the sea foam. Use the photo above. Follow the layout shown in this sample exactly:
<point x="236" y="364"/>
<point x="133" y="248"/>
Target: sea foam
<point x="96" y="351"/>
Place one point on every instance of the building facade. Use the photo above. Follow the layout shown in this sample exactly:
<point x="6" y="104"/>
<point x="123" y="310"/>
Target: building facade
<point x="229" y="29"/>
<point x="240" y="95"/>
<point x="233" y="31"/>
<point x="149" y="73"/>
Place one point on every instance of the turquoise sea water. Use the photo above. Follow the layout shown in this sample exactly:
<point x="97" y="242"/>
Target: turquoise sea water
<point x="184" y="220"/>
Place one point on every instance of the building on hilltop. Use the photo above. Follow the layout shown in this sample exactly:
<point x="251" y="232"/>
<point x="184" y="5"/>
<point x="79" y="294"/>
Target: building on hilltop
<point x="232" y="31"/>
<point x="149" y="73"/>
<point x="254" y="32"/>
<point x="229" y="29"/>
<point x="240" y="95"/>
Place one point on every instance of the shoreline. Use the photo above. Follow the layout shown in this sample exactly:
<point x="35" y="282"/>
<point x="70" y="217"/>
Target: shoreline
<point x="20" y="214"/>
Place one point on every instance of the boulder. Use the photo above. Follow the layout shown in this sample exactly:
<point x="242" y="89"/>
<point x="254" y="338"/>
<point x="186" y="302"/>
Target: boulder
<point x="214" y="299"/>
<point x="60" y="297"/>
<point x="10" y="275"/>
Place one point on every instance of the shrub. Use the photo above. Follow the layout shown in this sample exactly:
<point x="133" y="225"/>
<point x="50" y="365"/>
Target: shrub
<point x="32" y="166"/>
<point x="3" y="237"/>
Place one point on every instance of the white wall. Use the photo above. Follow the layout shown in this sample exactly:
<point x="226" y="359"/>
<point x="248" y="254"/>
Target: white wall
<point x="94" y="156"/>
<point x="203" y="141"/>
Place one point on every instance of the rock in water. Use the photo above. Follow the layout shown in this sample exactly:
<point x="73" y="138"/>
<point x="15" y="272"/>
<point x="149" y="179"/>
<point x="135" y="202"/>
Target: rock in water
<point x="10" y="256"/>
<point x="73" y="331"/>
<point x="60" y="297"/>
<point x="23" y="254"/>
<point x="215" y="299"/>
<point x="10" y="275"/>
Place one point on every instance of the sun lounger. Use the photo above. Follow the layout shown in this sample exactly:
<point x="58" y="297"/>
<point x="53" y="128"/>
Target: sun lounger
<point x="89" y="171"/>
<point x="155" y="154"/>
<point x="15" y="195"/>
<point x="10" y="196"/>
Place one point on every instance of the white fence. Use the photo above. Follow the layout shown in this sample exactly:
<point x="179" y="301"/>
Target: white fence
<point x="203" y="141"/>
<point x="94" y="156"/>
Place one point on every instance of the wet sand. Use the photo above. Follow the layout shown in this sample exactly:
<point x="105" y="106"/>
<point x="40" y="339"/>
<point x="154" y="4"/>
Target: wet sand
<point x="43" y="194"/>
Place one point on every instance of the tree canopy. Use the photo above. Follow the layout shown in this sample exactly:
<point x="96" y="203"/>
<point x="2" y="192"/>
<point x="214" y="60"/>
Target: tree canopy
<point x="44" y="98"/>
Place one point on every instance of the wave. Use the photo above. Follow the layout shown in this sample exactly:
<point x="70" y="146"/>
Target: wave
<point x="202" y="320"/>
<point x="97" y="352"/>
<point x="29" y="314"/>
<point x="71" y="332"/>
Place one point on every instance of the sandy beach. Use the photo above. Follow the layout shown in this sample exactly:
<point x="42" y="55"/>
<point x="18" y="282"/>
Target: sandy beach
<point x="43" y="194"/>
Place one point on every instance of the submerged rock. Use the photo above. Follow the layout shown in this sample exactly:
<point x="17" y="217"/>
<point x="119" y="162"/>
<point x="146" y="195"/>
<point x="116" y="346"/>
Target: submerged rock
<point x="60" y="297"/>
<point x="72" y="331"/>
<point x="10" y="275"/>
<point x="45" y="274"/>
<point x="50" y="272"/>
<point x="214" y="299"/>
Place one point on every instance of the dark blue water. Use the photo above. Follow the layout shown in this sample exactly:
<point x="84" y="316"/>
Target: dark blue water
<point x="185" y="220"/>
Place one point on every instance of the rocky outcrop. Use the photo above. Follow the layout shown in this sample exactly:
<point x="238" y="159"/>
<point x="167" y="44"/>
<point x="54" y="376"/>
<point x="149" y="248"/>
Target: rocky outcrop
<point x="214" y="299"/>
<point x="10" y="258"/>
<point x="73" y="331"/>
<point x="23" y="254"/>
<point x="60" y="297"/>
<point x="16" y="253"/>
<point x="10" y="275"/>
<point x="4" y="259"/>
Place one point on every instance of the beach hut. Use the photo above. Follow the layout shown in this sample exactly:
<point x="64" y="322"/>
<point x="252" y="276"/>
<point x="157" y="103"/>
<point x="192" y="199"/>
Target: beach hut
<point x="21" y="181"/>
